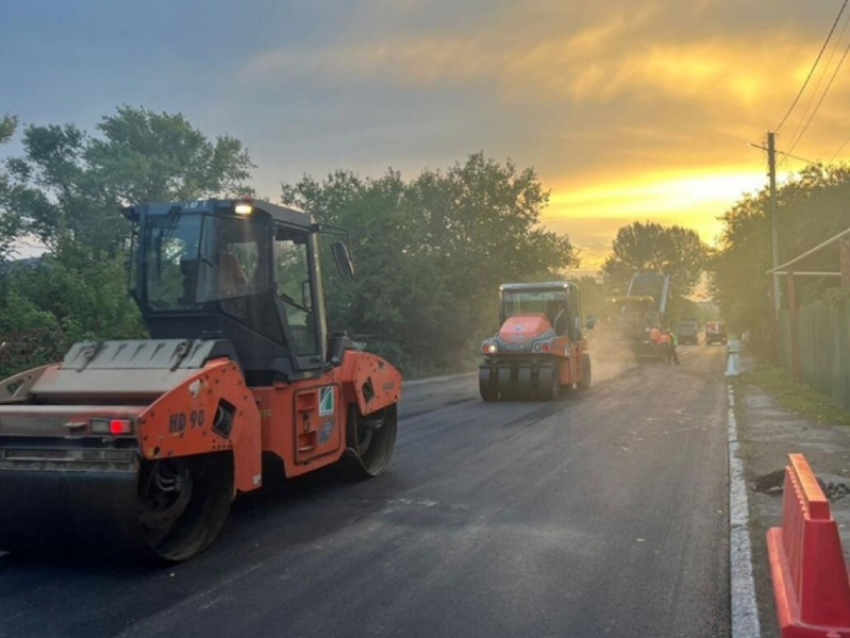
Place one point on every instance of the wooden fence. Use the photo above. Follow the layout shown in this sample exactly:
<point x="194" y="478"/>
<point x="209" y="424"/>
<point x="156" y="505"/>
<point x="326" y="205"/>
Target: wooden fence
<point x="822" y="331"/>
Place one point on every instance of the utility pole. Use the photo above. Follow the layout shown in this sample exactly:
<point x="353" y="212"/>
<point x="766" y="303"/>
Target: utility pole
<point x="774" y="230"/>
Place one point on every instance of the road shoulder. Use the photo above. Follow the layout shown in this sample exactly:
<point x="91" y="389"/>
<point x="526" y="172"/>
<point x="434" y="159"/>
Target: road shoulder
<point x="767" y="434"/>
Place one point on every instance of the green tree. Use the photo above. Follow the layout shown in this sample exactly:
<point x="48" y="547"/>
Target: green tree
<point x="9" y="226"/>
<point x="144" y="156"/>
<point x="738" y="280"/>
<point x="811" y="207"/>
<point x="70" y="183"/>
<point x="593" y="296"/>
<point x="66" y="190"/>
<point x="430" y="254"/>
<point x="73" y="294"/>
<point x="651" y="247"/>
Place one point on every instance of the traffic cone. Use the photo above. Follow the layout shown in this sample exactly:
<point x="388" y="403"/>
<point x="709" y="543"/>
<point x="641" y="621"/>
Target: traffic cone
<point x="733" y="360"/>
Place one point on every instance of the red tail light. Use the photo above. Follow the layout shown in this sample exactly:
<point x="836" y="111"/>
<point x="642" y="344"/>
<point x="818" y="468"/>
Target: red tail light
<point x="111" y="426"/>
<point x="120" y="426"/>
<point x="545" y="347"/>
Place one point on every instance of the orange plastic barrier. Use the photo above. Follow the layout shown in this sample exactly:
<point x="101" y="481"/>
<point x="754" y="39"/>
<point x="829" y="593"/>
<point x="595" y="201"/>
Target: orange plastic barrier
<point x="810" y="580"/>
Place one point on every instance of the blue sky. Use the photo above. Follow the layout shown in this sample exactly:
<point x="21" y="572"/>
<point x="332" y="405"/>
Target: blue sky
<point x="628" y="109"/>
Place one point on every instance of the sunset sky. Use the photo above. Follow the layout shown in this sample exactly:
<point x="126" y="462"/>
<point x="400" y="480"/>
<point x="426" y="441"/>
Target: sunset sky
<point x="628" y="109"/>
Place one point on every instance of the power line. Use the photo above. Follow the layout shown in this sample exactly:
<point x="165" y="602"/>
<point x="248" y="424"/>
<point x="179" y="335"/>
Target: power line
<point x="840" y="148"/>
<point x="821" y="76"/>
<point x="797" y="157"/>
<point x="778" y="152"/>
<point x="814" y="66"/>
<point x="823" y="95"/>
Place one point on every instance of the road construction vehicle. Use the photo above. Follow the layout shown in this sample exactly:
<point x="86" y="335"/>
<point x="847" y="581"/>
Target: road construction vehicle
<point x="715" y="332"/>
<point x="539" y="348"/>
<point x="142" y="445"/>
<point x="687" y="331"/>
<point x="630" y="318"/>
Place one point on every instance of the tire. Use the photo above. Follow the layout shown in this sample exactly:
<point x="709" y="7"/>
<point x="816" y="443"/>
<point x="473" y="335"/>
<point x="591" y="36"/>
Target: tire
<point x="586" y="377"/>
<point x="524" y="384"/>
<point x="548" y="387"/>
<point x="168" y="511"/>
<point x="371" y="439"/>
<point x="487" y="385"/>
<point x="179" y="526"/>
<point x="506" y="384"/>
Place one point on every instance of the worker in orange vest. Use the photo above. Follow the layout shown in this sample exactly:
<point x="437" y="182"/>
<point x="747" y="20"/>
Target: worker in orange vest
<point x="666" y="342"/>
<point x="654" y="334"/>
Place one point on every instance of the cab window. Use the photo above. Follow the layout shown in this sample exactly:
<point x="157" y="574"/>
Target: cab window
<point x="294" y="288"/>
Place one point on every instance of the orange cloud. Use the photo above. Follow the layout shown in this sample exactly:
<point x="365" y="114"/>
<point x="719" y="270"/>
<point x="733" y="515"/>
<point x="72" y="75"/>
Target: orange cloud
<point x="595" y="64"/>
<point x="646" y="106"/>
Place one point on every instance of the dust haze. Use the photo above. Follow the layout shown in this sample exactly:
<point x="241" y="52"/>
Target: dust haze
<point x="610" y="360"/>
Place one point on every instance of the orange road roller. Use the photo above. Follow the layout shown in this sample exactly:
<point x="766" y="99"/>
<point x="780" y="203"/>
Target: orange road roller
<point x="140" y="446"/>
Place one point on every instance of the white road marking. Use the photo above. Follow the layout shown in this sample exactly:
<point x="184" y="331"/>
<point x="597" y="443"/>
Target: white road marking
<point x="744" y="614"/>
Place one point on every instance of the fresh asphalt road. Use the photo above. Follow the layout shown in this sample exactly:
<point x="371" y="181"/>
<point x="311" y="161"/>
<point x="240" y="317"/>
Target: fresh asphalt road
<point x="603" y="514"/>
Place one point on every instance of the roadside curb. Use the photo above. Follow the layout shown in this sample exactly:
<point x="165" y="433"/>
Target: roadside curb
<point x="742" y="592"/>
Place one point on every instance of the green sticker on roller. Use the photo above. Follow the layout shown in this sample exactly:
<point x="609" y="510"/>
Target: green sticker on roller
<point x="326" y="400"/>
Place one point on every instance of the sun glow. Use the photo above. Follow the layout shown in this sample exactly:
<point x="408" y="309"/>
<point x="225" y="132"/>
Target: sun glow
<point x="693" y="200"/>
<point x="675" y="193"/>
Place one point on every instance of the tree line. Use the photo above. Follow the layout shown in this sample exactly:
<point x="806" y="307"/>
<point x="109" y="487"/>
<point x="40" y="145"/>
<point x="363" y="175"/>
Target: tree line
<point x="811" y="207"/>
<point x="430" y="251"/>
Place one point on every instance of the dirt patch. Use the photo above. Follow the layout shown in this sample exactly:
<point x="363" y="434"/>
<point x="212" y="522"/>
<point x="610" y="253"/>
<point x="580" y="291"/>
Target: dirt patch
<point x="770" y="483"/>
<point x="834" y="487"/>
